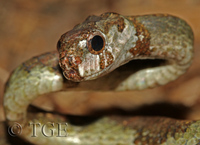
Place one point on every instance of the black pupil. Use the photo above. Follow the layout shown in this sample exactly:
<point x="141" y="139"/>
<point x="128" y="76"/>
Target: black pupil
<point x="97" y="43"/>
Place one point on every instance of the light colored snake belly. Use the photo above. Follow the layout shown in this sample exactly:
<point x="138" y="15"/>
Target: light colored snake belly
<point x="90" y="52"/>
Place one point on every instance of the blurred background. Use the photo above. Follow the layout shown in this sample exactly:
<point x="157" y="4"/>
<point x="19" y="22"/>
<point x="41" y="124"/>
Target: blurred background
<point x="31" y="27"/>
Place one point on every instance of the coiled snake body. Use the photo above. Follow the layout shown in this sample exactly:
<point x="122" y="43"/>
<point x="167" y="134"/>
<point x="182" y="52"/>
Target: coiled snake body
<point x="93" y="49"/>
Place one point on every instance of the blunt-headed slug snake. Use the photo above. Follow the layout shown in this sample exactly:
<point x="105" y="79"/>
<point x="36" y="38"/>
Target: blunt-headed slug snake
<point x="92" y="50"/>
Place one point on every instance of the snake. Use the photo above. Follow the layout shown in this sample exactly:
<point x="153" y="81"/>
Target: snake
<point x="87" y="55"/>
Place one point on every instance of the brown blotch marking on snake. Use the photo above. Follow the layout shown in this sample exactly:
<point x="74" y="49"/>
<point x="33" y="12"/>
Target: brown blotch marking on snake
<point x="28" y="65"/>
<point x="109" y="58"/>
<point x="158" y="130"/>
<point x="106" y="20"/>
<point x="142" y="46"/>
<point x="102" y="61"/>
<point x="71" y="71"/>
<point x="114" y="19"/>
<point x="47" y="59"/>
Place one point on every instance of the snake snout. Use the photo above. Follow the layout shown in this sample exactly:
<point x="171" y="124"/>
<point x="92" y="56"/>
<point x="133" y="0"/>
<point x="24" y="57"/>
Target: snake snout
<point x="69" y="64"/>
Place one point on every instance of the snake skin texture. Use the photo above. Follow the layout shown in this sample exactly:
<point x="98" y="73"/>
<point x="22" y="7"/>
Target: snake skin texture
<point x="92" y="50"/>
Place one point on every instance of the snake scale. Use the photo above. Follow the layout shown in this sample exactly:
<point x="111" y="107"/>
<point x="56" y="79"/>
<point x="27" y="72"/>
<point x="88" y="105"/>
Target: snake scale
<point x="92" y="50"/>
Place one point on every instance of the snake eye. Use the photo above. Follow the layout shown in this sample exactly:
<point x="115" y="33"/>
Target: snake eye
<point x="96" y="43"/>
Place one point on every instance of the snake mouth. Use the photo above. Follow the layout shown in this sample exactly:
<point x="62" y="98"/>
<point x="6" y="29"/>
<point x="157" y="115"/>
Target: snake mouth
<point x="110" y="81"/>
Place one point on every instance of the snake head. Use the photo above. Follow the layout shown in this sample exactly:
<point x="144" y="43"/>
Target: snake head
<point x="94" y="48"/>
